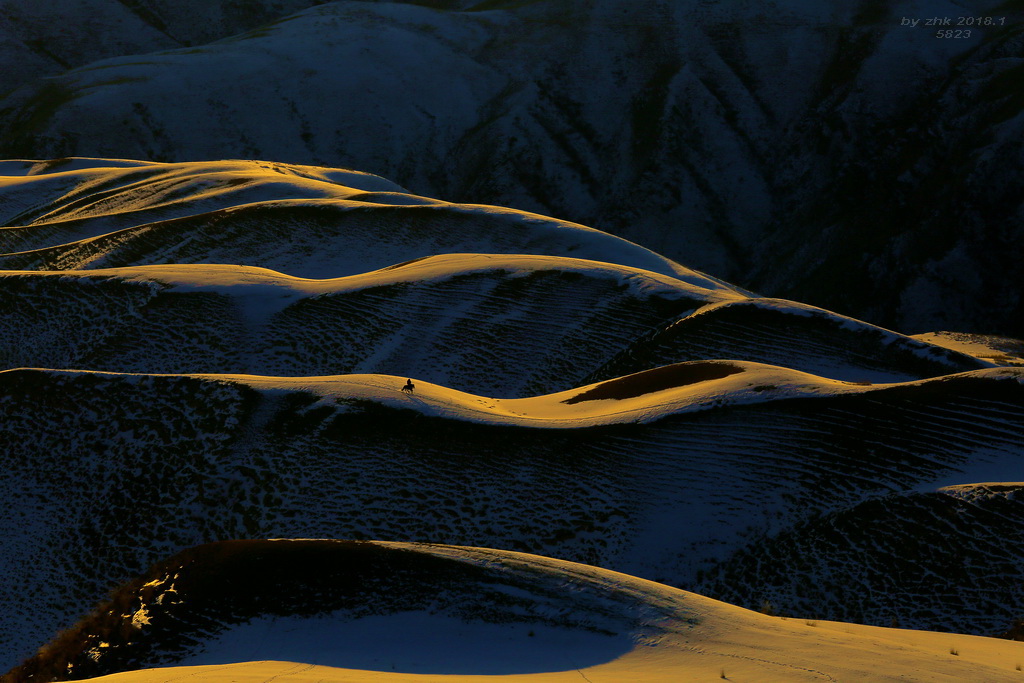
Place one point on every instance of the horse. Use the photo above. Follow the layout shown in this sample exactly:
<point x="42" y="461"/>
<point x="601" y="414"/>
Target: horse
<point x="409" y="386"/>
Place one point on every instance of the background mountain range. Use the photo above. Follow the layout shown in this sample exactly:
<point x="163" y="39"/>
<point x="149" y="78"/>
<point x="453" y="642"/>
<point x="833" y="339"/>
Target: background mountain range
<point x="771" y="144"/>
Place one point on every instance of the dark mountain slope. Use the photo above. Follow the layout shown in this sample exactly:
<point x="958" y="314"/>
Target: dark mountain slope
<point x="40" y="38"/>
<point x="773" y="145"/>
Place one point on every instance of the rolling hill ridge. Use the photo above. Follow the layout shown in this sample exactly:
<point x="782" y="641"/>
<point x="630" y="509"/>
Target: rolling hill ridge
<point x="616" y="474"/>
<point x="194" y="353"/>
<point x="395" y="612"/>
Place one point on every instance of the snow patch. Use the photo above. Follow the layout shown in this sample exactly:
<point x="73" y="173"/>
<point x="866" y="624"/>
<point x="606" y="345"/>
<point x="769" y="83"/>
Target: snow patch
<point x="413" y="642"/>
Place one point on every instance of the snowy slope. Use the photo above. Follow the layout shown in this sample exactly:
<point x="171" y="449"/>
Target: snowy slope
<point x="40" y="38"/>
<point x="794" y="335"/>
<point x="999" y="350"/>
<point x="664" y="475"/>
<point x="505" y="325"/>
<point x="520" y="334"/>
<point x="300" y="220"/>
<point x="400" y="612"/>
<point x="911" y="545"/>
<point x="500" y="324"/>
<point x="773" y="144"/>
<point x="577" y="395"/>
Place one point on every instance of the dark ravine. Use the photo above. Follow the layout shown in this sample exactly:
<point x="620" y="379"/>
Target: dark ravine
<point x="657" y="379"/>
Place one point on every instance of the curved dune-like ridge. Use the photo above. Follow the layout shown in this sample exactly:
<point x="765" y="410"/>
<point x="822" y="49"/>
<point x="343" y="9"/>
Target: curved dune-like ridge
<point x="486" y="323"/>
<point x="426" y="269"/>
<point x="498" y="324"/>
<point x="306" y="221"/>
<point x="389" y="612"/>
<point x="129" y="192"/>
<point x="115" y="470"/>
<point x="197" y="352"/>
<point x="643" y="397"/>
<point x="795" y="335"/>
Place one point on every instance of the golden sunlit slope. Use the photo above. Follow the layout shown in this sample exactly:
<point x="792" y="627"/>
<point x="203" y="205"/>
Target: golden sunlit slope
<point x="667" y="474"/>
<point x="643" y="397"/>
<point x="499" y="324"/>
<point x="89" y="196"/>
<point x="390" y="612"/>
<point x="304" y="221"/>
<point x="1001" y="350"/>
<point x="496" y="324"/>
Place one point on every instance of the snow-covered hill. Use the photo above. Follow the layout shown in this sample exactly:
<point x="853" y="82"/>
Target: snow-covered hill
<point x="499" y="324"/>
<point x="911" y="545"/>
<point x="796" y="336"/>
<point x="303" y="221"/>
<point x="666" y="475"/>
<point x="504" y="325"/>
<point x="41" y="38"/>
<point x="175" y="349"/>
<point x="389" y="612"/>
<point x="773" y="144"/>
<point x="494" y="323"/>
